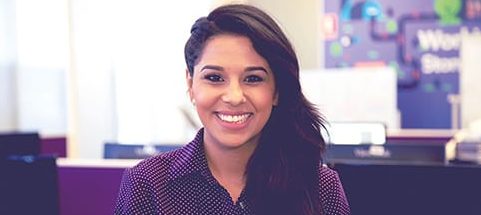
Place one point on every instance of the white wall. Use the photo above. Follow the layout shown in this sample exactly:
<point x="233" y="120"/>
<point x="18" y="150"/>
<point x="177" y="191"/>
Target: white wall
<point x="33" y="49"/>
<point x="7" y="66"/>
<point x="91" y="79"/>
<point x="354" y="94"/>
<point x="7" y="98"/>
<point x="127" y="75"/>
<point x="470" y="78"/>
<point x="42" y="53"/>
<point x="301" y="22"/>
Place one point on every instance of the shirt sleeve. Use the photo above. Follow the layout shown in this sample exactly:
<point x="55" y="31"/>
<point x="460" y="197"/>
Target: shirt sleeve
<point x="333" y="199"/>
<point x="134" y="195"/>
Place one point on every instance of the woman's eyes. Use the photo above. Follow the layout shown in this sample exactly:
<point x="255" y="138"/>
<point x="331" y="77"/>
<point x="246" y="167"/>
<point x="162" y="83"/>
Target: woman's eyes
<point x="251" y="79"/>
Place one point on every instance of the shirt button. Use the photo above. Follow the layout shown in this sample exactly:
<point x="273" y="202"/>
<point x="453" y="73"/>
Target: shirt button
<point x="242" y="205"/>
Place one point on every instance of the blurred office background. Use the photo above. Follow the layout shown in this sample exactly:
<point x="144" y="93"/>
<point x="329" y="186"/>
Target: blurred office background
<point x="98" y="71"/>
<point x="110" y="71"/>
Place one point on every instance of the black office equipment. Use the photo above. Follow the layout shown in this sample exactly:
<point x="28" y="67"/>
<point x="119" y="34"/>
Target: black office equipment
<point x="29" y="185"/>
<point x="387" y="153"/>
<point x="19" y="143"/>
<point x="411" y="189"/>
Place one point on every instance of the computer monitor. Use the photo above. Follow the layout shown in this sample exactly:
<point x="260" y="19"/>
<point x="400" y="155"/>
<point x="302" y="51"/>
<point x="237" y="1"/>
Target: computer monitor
<point x="411" y="189"/>
<point x="19" y="143"/>
<point x="29" y="185"/>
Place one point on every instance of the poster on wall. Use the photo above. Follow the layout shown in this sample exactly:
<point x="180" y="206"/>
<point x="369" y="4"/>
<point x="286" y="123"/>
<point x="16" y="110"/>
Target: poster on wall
<point x="421" y="40"/>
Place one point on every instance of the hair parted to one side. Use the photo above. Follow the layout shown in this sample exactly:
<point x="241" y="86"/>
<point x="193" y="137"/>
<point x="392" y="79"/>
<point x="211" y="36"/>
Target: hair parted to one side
<point x="282" y="173"/>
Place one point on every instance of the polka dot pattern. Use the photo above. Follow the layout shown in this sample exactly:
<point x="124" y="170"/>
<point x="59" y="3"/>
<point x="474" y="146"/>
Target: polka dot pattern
<point x="331" y="194"/>
<point x="179" y="182"/>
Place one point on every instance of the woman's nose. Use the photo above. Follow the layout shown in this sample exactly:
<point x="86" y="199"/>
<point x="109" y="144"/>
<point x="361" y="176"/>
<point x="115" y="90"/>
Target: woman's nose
<point x="234" y="94"/>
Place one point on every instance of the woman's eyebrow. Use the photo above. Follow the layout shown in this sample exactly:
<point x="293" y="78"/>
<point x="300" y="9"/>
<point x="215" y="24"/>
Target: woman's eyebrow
<point x="254" y="68"/>
<point x="212" y="67"/>
<point x="247" y="69"/>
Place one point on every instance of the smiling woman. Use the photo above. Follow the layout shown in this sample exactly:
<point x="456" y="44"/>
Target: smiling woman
<point x="259" y="151"/>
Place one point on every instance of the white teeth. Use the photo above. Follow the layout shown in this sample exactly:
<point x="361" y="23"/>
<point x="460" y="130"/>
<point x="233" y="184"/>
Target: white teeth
<point x="233" y="118"/>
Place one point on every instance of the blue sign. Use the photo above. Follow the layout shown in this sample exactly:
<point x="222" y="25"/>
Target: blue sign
<point x="419" y="39"/>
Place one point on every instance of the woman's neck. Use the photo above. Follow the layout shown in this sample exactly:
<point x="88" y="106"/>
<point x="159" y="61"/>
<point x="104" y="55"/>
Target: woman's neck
<point x="228" y="166"/>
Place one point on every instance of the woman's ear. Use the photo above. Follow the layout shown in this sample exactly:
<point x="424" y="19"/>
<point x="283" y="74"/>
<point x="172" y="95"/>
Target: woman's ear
<point x="276" y="99"/>
<point x="188" y="79"/>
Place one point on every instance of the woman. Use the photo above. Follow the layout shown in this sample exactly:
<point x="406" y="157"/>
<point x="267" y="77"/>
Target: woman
<point x="260" y="149"/>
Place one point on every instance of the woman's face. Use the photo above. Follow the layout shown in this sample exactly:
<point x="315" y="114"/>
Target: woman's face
<point x="234" y="91"/>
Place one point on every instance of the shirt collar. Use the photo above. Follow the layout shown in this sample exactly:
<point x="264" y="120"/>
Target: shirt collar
<point x="190" y="158"/>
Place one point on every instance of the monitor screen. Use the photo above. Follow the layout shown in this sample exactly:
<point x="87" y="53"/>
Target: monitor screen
<point x="411" y="189"/>
<point x="19" y="143"/>
<point x="29" y="185"/>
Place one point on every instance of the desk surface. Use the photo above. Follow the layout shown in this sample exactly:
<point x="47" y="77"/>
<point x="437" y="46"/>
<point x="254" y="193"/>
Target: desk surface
<point x="97" y="163"/>
<point x="90" y="186"/>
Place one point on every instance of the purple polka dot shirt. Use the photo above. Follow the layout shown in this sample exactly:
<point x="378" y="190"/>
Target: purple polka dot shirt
<point x="180" y="182"/>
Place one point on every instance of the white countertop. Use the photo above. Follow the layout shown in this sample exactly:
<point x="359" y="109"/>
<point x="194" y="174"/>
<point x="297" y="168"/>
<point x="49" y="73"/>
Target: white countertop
<point x="96" y="163"/>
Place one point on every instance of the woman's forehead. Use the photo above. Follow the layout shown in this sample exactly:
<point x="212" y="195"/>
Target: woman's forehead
<point x="229" y="50"/>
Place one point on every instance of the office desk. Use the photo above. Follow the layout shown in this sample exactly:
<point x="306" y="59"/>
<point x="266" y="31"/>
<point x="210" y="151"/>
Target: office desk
<point x="376" y="188"/>
<point x="89" y="186"/>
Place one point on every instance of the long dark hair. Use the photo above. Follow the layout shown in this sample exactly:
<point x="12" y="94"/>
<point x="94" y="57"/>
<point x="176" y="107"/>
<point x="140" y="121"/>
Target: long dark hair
<point x="282" y="173"/>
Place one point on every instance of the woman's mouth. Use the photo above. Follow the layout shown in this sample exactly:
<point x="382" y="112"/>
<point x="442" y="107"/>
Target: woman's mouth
<point x="234" y="118"/>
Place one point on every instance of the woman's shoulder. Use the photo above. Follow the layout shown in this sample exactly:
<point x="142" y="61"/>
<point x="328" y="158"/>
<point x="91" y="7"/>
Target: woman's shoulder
<point x="155" y="166"/>
<point x="326" y="174"/>
<point x="144" y="183"/>
<point x="331" y="193"/>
